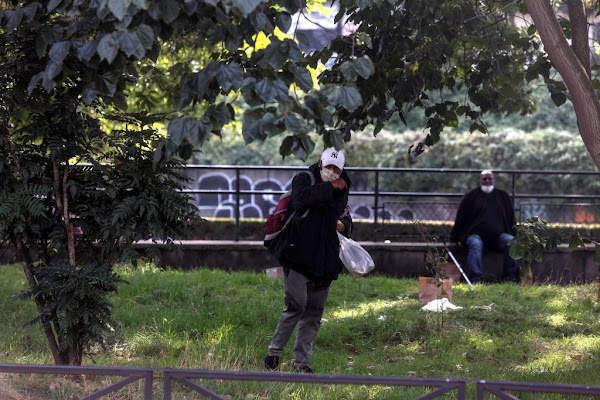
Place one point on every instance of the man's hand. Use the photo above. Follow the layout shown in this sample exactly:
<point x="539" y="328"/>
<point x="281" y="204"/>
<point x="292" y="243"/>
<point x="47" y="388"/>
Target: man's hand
<point x="340" y="226"/>
<point x="453" y="246"/>
<point x="339" y="184"/>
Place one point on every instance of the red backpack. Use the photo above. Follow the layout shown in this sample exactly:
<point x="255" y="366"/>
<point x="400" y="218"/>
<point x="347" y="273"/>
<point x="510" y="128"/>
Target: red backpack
<point x="277" y="221"/>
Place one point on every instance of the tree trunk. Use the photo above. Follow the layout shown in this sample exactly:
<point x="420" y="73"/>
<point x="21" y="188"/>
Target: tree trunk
<point x="58" y="359"/>
<point x="579" y="33"/>
<point x="26" y="261"/>
<point x="584" y="99"/>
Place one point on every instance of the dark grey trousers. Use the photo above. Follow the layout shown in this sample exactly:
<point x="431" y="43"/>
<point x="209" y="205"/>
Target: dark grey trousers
<point x="305" y="303"/>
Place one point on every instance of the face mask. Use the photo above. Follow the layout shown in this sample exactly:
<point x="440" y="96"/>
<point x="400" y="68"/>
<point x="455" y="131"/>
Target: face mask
<point x="487" y="189"/>
<point x="328" y="175"/>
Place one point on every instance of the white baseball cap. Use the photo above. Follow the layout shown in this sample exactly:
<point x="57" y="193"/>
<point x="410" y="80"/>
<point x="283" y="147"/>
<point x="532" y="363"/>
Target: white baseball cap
<point x="331" y="156"/>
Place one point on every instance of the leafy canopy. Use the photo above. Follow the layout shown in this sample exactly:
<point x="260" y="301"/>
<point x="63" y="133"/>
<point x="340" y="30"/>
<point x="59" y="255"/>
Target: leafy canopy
<point x="392" y="62"/>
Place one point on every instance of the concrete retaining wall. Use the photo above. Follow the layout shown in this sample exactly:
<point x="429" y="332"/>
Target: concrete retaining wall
<point x="560" y="265"/>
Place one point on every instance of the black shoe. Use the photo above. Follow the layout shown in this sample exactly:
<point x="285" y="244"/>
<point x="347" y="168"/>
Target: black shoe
<point x="271" y="363"/>
<point x="305" y="369"/>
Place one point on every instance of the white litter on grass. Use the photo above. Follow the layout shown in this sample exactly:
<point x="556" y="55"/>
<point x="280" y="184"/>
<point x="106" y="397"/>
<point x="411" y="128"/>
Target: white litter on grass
<point x="440" y="305"/>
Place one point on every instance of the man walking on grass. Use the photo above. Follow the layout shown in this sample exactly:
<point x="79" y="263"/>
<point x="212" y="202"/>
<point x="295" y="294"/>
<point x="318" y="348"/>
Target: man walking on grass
<point x="310" y="254"/>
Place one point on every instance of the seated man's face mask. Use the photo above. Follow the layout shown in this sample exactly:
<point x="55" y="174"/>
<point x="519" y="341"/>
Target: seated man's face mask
<point x="487" y="183"/>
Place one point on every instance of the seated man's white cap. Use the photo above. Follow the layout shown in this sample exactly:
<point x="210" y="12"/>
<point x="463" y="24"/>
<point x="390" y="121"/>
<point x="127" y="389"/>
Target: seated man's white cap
<point x="331" y="156"/>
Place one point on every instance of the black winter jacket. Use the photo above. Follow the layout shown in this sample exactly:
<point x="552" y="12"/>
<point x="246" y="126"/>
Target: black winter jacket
<point x="471" y="210"/>
<point x="312" y="243"/>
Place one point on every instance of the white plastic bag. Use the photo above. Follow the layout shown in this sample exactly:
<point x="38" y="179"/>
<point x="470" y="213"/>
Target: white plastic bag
<point x="440" y="305"/>
<point x="356" y="259"/>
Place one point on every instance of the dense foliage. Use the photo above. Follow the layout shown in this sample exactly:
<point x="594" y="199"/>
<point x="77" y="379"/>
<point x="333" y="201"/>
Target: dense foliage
<point x="74" y="198"/>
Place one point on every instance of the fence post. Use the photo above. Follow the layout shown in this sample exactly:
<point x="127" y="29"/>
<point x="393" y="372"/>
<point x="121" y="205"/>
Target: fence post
<point x="237" y="204"/>
<point x="376" y="205"/>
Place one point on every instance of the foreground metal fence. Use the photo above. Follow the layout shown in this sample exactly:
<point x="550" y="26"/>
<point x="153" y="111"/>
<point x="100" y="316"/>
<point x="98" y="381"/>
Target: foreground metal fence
<point x="500" y="389"/>
<point x="437" y="387"/>
<point x="441" y="386"/>
<point x="131" y="375"/>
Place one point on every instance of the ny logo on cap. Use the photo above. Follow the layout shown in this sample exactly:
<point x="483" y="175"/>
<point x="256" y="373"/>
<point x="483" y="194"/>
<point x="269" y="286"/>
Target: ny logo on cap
<point x="334" y="154"/>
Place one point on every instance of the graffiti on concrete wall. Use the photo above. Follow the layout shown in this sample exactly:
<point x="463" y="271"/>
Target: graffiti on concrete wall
<point x="260" y="205"/>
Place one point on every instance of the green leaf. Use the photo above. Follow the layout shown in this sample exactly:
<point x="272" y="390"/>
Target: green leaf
<point x="41" y="45"/>
<point x="53" y="4"/>
<point x="59" y="51"/>
<point x="130" y="44"/>
<point x="281" y="91"/>
<point x="108" y="47"/>
<point x="169" y="10"/>
<point x="365" y="39"/>
<point x="203" y="79"/>
<point x="286" y="146"/>
<point x="245" y="7"/>
<point x="230" y="77"/>
<point x="302" y="38"/>
<point x="106" y="84"/>
<point x="348" y="71"/>
<point x="87" y="51"/>
<point x="33" y="82"/>
<point x="576" y="241"/>
<point x="89" y="93"/>
<point x="295" y="124"/>
<point x="48" y="83"/>
<point x="307" y="144"/>
<point x="265" y="89"/>
<point x="143" y="4"/>
<point x="283" y="21"/>
<point x="119" y="8"/>
<point x="346" y="96"/>
<point x="146" y="36"/>
<point x="270" y="125"/>
<point x="276" y="54"/>
<point x="251" y="126"/>
<point x="215" y="35"/>
<point x="558" y="98"/>
<point x="52" y="70"/>
<point x="249" y="92"/>
<point x="233" y="42"/>
<point x="193" y="130"/>
<point x="336" y="138"/>
<point x="303" y="79"/>
<point x="13" y="19"/>
<point x="364" y="66"/>
<point x="258" y="20"/>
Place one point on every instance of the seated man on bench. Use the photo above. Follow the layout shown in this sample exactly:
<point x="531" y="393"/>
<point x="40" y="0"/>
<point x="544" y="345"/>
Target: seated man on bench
<point x="485" y="218"/>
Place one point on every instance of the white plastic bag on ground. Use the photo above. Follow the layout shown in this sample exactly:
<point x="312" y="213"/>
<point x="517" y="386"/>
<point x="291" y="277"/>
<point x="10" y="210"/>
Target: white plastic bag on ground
<point x="357" y="260"/>
<point x="440" y="305"/>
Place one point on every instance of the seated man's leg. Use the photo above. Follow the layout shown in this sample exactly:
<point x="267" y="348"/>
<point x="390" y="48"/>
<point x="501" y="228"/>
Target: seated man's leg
<point x="475" y="245"/>
<point x="510" y="265"/>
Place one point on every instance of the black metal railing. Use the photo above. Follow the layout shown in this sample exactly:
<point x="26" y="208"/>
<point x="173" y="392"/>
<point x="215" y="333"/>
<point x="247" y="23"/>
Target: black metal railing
<point x="251" y="191"/>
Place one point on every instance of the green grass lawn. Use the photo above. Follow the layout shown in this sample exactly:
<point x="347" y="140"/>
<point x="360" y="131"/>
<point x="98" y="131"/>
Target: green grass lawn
<point x="212" y="319"/>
